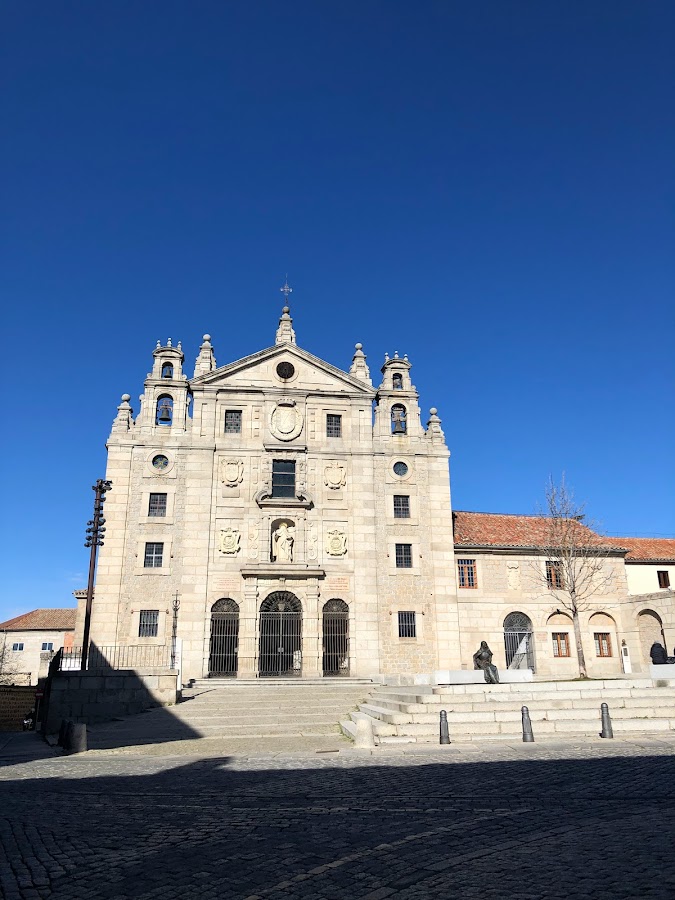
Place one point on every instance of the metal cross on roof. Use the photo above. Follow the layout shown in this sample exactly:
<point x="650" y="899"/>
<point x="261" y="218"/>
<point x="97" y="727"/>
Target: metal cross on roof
<point x="286" y="289"/>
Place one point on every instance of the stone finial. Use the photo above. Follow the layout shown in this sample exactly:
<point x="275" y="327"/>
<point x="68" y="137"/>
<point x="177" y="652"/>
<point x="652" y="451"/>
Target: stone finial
<point x="359" y="368"/>
<point x="434" y="430"/>
<point x="123" y="420"/>
<point x="206" y="361"/>
<point x="285" y="332"/>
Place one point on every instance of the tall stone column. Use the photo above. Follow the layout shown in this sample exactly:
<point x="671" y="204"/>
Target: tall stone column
<point x="248" y="631"/>
<point x="311" y="648"/>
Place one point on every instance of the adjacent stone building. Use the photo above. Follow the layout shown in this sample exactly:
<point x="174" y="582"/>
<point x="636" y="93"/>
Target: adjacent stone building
<point x="29" y="641"/>
<point x="301" y="515"/>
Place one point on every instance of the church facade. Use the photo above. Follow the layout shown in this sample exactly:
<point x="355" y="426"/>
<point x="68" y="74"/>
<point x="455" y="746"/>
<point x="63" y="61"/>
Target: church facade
<point x="301" y="516"/>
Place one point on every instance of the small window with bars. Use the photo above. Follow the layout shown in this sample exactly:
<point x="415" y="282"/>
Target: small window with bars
<point x="333" y="425"/>
<point x="404" y="556"/>
<point x="561" y="643"/>
<point x="48" y="646"/>
<point x="283" y="478"/>
<point x="466" y="571"/>
<point x="401" y="506"/>
<point x="664" y="578"/>
<point x="603" y="643"/>
<point x="154" y="553"/>
<point x="406" y="624"/>
<point x="157" y="505"/>
<point x="233" y="421"/>
<point x="148" y="623"/>
<point x="554" y="575"/>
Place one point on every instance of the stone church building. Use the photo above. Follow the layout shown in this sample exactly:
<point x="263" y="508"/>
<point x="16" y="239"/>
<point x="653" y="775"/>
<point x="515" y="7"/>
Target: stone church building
<point x="301" y="515"/>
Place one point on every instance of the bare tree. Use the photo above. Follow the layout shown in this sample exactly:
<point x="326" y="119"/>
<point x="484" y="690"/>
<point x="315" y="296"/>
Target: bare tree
<point x="8" y="666"/>
<point x="576" y="556"/>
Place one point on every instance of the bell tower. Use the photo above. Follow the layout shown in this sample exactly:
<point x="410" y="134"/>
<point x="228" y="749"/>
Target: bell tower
<point x="164" y="403"/>
<point x="397" y="411"/>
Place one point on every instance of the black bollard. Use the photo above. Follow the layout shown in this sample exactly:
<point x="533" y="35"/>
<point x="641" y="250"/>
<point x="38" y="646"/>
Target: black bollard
<point x="445" y="734"/>
<point x="62" y="733"/>
<point x="606" y="722"/>
<point x="528" y="736"/>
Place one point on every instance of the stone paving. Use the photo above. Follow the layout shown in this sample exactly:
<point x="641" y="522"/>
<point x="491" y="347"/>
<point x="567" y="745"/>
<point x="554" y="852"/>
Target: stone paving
<point x="566" y="820"/>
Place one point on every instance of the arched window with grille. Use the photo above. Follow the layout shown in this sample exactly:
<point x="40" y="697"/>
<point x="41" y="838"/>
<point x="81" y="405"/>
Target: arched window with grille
<point x="224" y="646"/>
<point x="164" y="414"/>
<point x="399" y="419"/>
<point x="518" y="641"/>
<point x="335" y="638"/>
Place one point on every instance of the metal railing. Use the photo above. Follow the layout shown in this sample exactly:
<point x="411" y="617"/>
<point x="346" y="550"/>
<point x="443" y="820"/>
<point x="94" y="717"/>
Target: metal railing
<point x="117" y="656"/>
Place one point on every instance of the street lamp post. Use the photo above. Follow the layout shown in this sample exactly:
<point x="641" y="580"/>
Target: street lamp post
<point x="95" y="532"/>
<point x="174" y="629"/>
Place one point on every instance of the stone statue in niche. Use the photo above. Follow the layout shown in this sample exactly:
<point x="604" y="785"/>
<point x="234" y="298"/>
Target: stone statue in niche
<point x="335" y="476"/>
<point x="336" y="542"/>
<point x="229" y="541"/>
<point x="482" y="659"/>
<point x="282" y="543"/>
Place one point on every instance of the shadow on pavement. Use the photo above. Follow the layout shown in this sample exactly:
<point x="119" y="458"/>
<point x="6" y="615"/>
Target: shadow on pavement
<point x="114" y="827"/>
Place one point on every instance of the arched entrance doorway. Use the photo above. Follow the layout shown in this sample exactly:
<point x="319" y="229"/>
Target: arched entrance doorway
<point x="335" y="639"/>
<point x="650" y="627"/>
<point x="518" y="641"/>
<point x="224" y="645"/>
<point x="280" y="651"/>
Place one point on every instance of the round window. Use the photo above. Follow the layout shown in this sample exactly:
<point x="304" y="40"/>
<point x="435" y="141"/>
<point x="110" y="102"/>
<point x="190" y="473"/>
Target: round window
<point x="400" y="468"/>
<point x="285" y="371"/>
<point x="160" y="462"/>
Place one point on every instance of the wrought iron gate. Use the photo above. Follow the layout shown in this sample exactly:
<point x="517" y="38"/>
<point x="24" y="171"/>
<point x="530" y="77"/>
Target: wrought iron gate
<point x="518" y="641"/>
<point x="224" y="646"/>
<point x="335" y="639"/>
<point x="280" y="635"/>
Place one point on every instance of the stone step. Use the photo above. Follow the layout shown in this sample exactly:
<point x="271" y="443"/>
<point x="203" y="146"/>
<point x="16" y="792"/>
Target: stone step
<point x="651" y="701"/>
<point x="584" y="713"/>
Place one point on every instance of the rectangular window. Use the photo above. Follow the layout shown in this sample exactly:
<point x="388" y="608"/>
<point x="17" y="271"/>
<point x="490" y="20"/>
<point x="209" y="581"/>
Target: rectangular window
<point x="233" y="421"/>
<point x="18" y="646"/>
<point x="48" y="645"/>
<point x="401" y="506"/>
<point x="406" y="625"/>
<point x="466" y="569"/>
<point x="554" y="574"/>
<point x="603" y="643"/>
<point x="404" y="556"/>
<point x="148" y="623"/>
<point x="157" y="505"/>
<point x="664" y="579"/>
<point x="153" y="556"/>
<point x="561" y="643"/>
<point x="283" y="478"/>
<point x="333" y="425"/>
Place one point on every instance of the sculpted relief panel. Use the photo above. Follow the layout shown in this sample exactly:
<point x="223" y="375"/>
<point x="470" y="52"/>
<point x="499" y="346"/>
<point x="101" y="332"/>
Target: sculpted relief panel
<point x="286" y="420"/>
<point x="229" y="541"/>
<point x="336" y="542"/>
<point x="335" y="476"/>
<point x="231" y="472"/>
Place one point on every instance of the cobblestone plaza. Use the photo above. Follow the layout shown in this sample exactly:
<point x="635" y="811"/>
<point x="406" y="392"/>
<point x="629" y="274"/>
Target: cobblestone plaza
<point x="536" y="821"/>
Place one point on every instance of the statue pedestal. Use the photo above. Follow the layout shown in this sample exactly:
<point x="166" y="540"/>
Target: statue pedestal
<point x="476" y="676"/>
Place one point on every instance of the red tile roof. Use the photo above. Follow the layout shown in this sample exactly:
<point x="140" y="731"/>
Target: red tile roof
<point x="648" y="548"/>
<point x="474" y="529"/>
<point x="42" y="620"/>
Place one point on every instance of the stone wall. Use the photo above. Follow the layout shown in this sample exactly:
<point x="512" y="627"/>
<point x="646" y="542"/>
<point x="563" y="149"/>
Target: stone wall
<point x="15" y="702"/>
<point x="95" y="697"/>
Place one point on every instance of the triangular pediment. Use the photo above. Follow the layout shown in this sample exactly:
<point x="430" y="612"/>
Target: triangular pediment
<point x="260" y="370"/>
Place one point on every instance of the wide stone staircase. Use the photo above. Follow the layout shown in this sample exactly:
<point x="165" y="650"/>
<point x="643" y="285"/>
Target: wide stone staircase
<point x="480" y="712"/>
<point x="224" y="714"/>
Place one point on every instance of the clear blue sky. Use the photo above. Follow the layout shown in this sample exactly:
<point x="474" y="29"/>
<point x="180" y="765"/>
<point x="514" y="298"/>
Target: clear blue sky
<point x="487" y="186"/>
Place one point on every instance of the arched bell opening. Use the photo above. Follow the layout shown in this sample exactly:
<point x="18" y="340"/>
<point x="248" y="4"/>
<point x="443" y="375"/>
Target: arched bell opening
<point x="164" y="413"/>
<point x="335" y="639"/>
<point x="167" y="370"/>
<point x="518" y="641"/>
<point x="280" y="647"/>
<point x="399" y="419"/>
<point x="650" y="628"/>
<point x="224" y="643"/>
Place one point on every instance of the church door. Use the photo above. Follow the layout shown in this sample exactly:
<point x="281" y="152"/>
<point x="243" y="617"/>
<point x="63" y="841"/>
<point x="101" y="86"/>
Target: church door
<point x="224" y="649"/>
<point x="280" y="651"/>
<point x="335" y="639"/>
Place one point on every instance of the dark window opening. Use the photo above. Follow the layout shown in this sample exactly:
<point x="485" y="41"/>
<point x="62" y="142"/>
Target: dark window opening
<point x="398" y="381"/>
<point x="404" y="556"/>
<point x="401" y="506"/>
<point x="148" y="623"/>
<point x="233" y="421"/>
<point x="399" y="424"/>
<point x="554" y="574"/>
<point x="167" y="370"/>
<point x="164" y="410"/>
<point x="283" y="478"/>
<point x="664" y="578"/>
<point x="406" y="624"/>
<point x="466" y="570"/>
<point x="157" y="505"/>
<point x="154" y="553"/>
<point x="333" y="425"/>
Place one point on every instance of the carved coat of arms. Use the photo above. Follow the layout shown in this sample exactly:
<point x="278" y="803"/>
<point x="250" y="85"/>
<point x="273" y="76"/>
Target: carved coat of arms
<point x="231" y="472"/>
<point x="286" y="420"/>
<point x="229" y="540"/>
<point x="336" y="542"/>
<point x="335" y="476"/>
